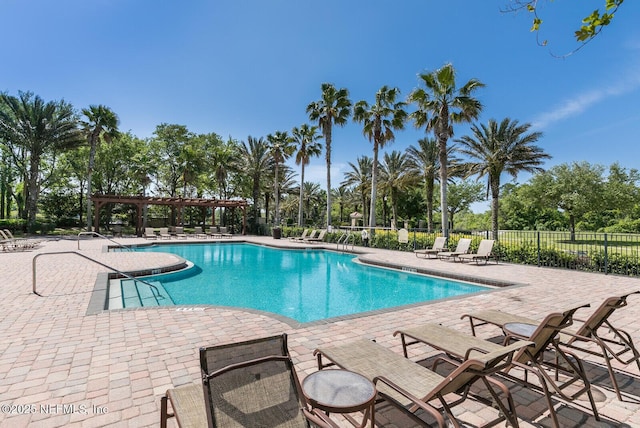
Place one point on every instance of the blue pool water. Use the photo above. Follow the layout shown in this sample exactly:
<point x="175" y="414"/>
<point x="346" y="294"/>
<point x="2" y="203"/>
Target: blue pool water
<point x="303" y="285"/>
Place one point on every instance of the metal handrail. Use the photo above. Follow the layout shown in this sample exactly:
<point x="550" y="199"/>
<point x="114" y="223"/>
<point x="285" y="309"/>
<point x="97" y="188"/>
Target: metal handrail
<point x="154" y="289"/>
<point x="103" y="237"/>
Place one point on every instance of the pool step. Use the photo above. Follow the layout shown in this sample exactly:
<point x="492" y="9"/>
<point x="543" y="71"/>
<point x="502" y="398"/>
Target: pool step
<point x="137" y="294"/>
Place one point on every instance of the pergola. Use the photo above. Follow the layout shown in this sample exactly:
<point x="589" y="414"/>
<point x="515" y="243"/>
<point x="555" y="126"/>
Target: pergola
<point x="141" y="201"/>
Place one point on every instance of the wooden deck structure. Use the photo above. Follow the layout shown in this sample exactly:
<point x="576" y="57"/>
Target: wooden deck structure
<point x="141" y="201"/>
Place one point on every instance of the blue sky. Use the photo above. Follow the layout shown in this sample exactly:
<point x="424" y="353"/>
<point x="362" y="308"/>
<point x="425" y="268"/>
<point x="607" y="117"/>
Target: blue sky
<point x="250" y="67"/>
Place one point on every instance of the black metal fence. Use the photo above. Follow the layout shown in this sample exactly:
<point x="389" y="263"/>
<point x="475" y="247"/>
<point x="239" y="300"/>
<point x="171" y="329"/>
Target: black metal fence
<point x="608" y="253"/>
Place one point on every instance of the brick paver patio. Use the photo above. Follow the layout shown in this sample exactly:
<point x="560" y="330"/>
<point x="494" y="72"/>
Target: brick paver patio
<point x="62" y="366"/>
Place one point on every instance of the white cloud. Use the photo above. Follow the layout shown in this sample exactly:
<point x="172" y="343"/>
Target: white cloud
<point x="580" y="103"/>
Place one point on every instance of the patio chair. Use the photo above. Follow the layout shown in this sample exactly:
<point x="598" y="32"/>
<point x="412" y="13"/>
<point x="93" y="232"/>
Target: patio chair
<point x="412" y="387"/>
<point x="246" y="384"/>
<point x="164" y="233"/>
<point x="180" y="233"/>
<point x="545" y="335"/>
<point x="198" y="233"/>
<point x="314" y="239"/>
<point x="484" y="252"/>
<point x="612" y="343"/>
<point x="213" y="232"/>
<point x="224" y="233"/>
<point x="149" y="233"/>
<point x="438" y="247"/>
<point x="305" y="233"/>
<point x="12" y="243"/>
<point x="461" y="248"/>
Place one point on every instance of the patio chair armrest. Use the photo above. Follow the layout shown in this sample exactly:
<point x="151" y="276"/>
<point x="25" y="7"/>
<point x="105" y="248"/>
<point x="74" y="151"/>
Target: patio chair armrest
<point x="415" y="400"/>
<point x="318" y="418"/>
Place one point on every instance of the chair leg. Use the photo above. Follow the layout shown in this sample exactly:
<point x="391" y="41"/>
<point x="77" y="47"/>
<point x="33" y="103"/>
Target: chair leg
<point x="163" y="412"/>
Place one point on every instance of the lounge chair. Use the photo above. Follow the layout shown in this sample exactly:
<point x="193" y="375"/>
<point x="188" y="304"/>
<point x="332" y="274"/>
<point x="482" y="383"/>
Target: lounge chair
<point x="246" y="384"/>
<point x="305" y="233"/>
<point x="213" y="232"/>
<point x="224" y="233"/>
<point x="438" y="247"/>
<point x="545" y="335"/>
<point x="198" y="233"/>
<point x="180" y="233"/>
<point x="461" y="248"/>
<point x="612" y="343"/>
<point x="484" y="252"/>
<point x="18" y="243"/>
<point x="164" y="233"/>
<point x="412" y="387"/>
<point x="149" y="233"/>
<point x="314" y="239"/>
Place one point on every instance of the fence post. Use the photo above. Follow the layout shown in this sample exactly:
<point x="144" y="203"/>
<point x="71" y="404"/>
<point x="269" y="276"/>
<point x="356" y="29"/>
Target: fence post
<point x="606" y="258"/>
<point x="538" y="248"/>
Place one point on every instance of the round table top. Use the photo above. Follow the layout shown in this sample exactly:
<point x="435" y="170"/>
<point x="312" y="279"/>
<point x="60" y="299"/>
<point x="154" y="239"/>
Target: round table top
<point x="339" y="390"/>
<point x="519" y="329"/>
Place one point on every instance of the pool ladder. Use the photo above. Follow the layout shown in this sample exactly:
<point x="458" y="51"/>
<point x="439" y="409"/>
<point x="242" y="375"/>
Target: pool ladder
<point x="344" y="241"/>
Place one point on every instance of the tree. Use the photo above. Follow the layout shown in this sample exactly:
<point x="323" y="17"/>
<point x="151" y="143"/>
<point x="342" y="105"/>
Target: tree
<point x="461" y="195"/>
<point x="32" y="128"/>
<point x="255" y="162"/>
<point x="592" y="24"/>
<point x="424" y="162"/>
<point x="306" y="137"/>
<point x="379" y="121"/>
<point x="359" y="177"/>
<point x="498" y="148"/>
<point x="441" y="105"/>
<point x="281" y="148"/>
<point x="575" y="189"/>
<point x="398" y="177"/>
<point x="333" y="108"/>
<point x="101" y="123"/>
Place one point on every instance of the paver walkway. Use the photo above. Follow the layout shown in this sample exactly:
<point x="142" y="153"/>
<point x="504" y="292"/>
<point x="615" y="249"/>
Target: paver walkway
<point x="60" y="366"/>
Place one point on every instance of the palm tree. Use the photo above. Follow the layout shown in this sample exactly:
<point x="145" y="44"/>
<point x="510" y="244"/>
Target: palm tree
<point x="30" y="126"/>
<point x="424" y="161"/>
<point x="397" y="177"/>
<point x="341" y="196"/>
<point x="333" y="108"/>
<point x="255" y="162"/>
<point x="360" y="179"/>
<point x="101" y="122"/>
<point x="307" y="139"/>
<point x="281" y="148"/>
<point x="497" y="148"/>
<point x="379" y="122"/>
<point x="440" y="106"/>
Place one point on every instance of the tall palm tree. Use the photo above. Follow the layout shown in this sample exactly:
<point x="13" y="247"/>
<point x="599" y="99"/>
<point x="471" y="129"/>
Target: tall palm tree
<point x="333" y="108"/>
<point x="497" y="148"/>
<point x="424" y="161"/>
<point x="29" y="125"/>
<point x="359" y="177"/>
<point x="101" y="122"/>
<point x="280" y="148"/>
<point x="306" y="137"/>
<point x="379" y="121"/>
<point x="441" y="105"/>
<point x="255" y="162"/>
<point x="341" y="195"/>
<point x="397" y="177"/>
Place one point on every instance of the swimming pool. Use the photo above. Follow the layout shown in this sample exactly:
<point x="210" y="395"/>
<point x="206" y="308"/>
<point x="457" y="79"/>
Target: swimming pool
<point x="305" y="285"/>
